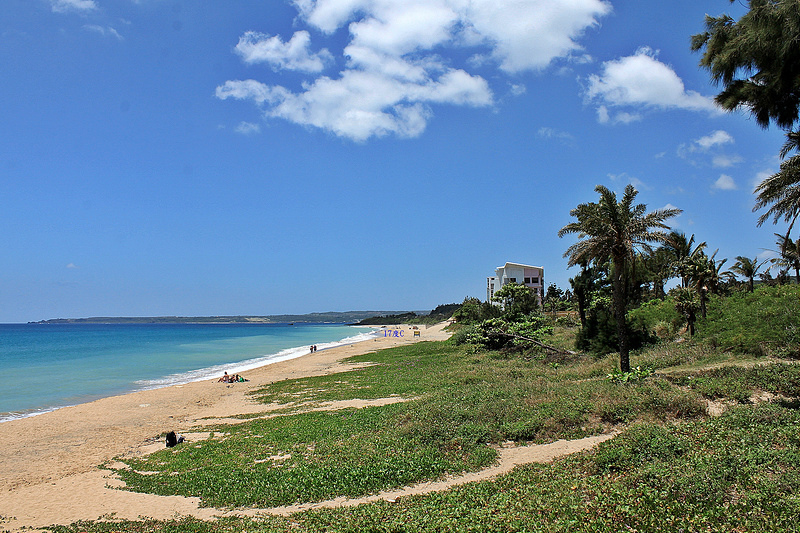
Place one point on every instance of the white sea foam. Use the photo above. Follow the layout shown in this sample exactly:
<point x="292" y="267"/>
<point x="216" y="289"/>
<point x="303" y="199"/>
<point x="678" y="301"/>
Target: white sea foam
<point x="203" y="374"/>
<point x="16" y="415"/>
<point x="200" y="374"/>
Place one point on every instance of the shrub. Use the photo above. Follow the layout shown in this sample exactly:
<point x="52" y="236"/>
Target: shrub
<point x="462" y="334"/>
<point x="567" y="321"/>
<point x="657" y="317"/>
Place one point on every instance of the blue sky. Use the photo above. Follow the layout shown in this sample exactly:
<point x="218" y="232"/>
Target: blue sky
<point x="160" y="157"/>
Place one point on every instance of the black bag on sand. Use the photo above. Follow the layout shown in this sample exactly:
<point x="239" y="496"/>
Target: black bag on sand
<point x="172" y="439"/>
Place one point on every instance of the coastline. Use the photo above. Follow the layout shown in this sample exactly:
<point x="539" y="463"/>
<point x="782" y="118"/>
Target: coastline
<point x="179" y="361"/>
<point x="49" y="462"/>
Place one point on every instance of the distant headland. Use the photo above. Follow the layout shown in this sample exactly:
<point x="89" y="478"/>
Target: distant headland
<point x="347" y="317"/>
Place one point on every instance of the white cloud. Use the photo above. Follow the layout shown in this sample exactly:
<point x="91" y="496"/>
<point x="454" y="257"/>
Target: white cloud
<point x="105" y="31"/>
<point x="715" y="138"/>
<point x="766" y="255"/>
<point x="360" y="105"/>
<point x="509" y="26"/>
<point x="250" y="90"/>
<point x="397" y="28"/>
<point x="394" y="72"/>
<point x="622" y="117"/>
<point x="257" y="47"/>
<point x="641" y="81"/>
<point x="626" y="179"/>
<point x="603" y="116"/>
<point x="72" y="265"/>
<point x="505" y="26"/>
<point x="248" y="128"/>
<point x="725" y="160"/>
<point x="626" y="118"/>
<point x="518" y="89"/>
<point x="65" y="6"/>
<point x="677" y="221"/>
<point x="552" y="133"/>
<point x="712" y="144"/>
<point x="725" y="183"/>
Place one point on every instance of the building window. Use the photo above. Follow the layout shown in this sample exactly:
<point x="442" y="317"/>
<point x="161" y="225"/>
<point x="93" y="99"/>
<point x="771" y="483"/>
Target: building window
<point x="534" y="280"/>
<point x="527" y="280"/>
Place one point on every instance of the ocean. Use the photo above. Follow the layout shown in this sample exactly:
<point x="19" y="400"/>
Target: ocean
<point x="48" y="366"/>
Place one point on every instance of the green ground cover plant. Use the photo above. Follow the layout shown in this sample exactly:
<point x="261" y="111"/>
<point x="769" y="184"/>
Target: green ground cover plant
<point x="459" y="403"/>
<point x="739" y="472"/>
<point x="764" y="322"/>
<point x="738" y="383"/>
<point x="672" y="468"/>
<point x="305" y="457"/>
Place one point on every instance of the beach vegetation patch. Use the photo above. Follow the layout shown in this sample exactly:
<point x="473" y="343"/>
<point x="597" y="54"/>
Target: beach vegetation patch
<point x="763" y="322"/>
<point x="738" y="472"/>
<point x="739" y="383"/>
<point x="301" y="458"/>
<point x="462" y="404"/>
<point x="672" y="468"/>
<point x="735" y="473"/>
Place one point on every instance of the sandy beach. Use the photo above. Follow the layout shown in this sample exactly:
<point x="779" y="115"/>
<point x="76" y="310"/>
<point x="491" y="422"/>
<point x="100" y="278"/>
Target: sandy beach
<point x="49" y="463"/>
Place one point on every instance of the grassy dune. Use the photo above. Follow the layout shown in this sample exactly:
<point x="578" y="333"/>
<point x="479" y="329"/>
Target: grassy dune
<point x="671" y="469"/>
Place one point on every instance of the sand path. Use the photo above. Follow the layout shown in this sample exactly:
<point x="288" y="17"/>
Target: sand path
<point x="49" y="463"/>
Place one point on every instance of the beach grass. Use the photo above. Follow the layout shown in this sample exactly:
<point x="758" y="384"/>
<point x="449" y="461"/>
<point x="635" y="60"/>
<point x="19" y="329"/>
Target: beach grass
<point x="673" y="468"/>
<point x="299" y="458"/>
<point x="459" y="404"/>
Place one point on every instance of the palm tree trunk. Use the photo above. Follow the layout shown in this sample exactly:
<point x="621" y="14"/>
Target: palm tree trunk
<point x="703" y="302"/>
<point x="620" y="308"/>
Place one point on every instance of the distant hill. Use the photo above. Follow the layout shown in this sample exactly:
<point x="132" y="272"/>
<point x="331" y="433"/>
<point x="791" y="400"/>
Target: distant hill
<point x="347" y="317"/>
<point x="440" y="314"/>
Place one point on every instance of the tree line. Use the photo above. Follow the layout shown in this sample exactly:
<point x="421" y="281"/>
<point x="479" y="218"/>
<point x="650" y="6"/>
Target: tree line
<point x="627" y="255"/>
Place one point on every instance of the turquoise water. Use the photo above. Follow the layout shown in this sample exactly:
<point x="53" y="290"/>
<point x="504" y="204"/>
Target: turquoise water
<point x="47" y="366"/>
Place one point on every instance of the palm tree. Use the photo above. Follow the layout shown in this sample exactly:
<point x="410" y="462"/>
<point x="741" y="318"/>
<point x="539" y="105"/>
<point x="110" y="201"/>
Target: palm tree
<point x="687" y="304"/>
<point x="755" y="59"/>
<point x="660" y="269"/>
<point x="790" y="254"/>
<point x="683" y="253"/>
<point x="781" y="193"/>
<point x="747" y="268"/>
<point x="705" y="274"/>
<point x="615" y="230"/>
<point x="582" y="287"/>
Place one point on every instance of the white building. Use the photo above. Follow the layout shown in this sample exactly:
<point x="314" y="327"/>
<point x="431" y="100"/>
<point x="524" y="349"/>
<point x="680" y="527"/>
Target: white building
<point x="530" y="276"/>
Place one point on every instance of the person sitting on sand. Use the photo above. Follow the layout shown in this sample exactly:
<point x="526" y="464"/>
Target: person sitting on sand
<point x="224" y="379"/>
<point x="173" y="439"/>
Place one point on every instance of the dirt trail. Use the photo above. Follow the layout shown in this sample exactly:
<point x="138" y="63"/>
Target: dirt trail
<point x="64" y="501"/>
<point x="511" y="456"/>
